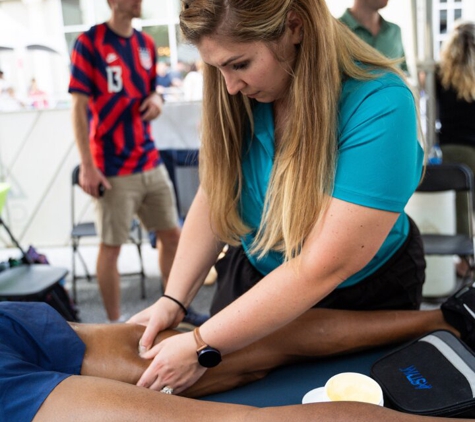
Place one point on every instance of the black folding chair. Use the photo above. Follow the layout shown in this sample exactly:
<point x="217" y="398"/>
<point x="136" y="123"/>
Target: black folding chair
<point x="182" y="167"/>
<point x="34" y="282"/>
<point x="459" y="178"/>
<point x="86" y="229"/>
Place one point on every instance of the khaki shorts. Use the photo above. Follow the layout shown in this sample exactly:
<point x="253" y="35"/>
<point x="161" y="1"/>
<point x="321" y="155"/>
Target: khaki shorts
<point x="149" y="195"/>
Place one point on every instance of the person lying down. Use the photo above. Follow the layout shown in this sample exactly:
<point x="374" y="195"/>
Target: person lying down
<point x="52" y="370"/>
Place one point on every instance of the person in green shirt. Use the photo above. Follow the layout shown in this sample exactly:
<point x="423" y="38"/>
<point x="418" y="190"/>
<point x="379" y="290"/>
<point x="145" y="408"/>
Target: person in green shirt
<point x="366" y="22"/>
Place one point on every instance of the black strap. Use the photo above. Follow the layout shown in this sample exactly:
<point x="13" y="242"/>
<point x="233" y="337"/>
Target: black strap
<point x="178" y="303"/>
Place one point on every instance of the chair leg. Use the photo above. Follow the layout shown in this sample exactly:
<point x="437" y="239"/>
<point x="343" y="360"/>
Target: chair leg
<point x="137" y="241"/>
<point x="88" y="275"/>
<point x="73" y="275"/>
<point x="468" y="276"/>
<point x="62" y="309"/>
<point x="142" y="271"/>
<point x="471" y="271"/>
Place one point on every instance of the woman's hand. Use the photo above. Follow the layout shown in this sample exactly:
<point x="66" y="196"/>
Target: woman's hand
<point x="174" y="364"/>
<point x="163" y="314"/>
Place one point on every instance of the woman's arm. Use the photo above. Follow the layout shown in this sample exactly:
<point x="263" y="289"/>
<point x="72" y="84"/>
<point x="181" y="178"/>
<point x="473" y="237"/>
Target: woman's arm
<point x="196" y="254"/>
<point x="197" y="251"/>
<point x="344" y="241"/>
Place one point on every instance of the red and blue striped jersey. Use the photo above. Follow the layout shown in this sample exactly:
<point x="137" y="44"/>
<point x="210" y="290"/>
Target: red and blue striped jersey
<point x="117" y="74"/>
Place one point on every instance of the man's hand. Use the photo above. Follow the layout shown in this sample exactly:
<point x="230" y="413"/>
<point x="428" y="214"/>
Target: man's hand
<point x="90" y="178"/>
<point x="151" y="107"/>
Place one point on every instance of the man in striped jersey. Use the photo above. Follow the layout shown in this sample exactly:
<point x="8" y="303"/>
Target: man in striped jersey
<point x="114" y="99"/>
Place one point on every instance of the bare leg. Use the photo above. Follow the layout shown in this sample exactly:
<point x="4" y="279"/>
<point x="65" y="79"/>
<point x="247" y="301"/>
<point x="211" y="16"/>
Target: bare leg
<point x="109" y="279"/>
<point x="167" y="242"/>
<point x="89" y="399"/>
<point x="112" y="351"/>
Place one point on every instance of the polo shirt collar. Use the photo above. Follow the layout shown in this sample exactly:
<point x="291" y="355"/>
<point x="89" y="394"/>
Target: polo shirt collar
<point x="353" y="24"/>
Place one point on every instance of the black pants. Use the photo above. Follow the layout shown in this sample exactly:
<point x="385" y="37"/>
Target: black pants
<point x="396" y="285"/>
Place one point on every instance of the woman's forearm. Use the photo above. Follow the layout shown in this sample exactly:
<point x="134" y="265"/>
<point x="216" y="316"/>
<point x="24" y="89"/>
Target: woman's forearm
<point x="343" y="243"/>
<point x="197" y="252"/>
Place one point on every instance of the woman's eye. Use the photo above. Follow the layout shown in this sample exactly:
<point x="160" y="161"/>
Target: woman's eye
<point x="240" y="66"/>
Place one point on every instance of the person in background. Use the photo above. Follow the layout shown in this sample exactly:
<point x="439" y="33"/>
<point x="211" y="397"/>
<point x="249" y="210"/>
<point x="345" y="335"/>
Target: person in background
<point x="309" y="154"/>
<point x="167" y="81"/>
<point x="36" y="97"/>
<point x="364" y="20"/>
<point x="455" y="96"/>
<point x="113" y="78"/>
<point x="9" y="100"/>
<point x="4" y="85"/>
<point x="193" y="83"/>
<point x="164" y="77"/>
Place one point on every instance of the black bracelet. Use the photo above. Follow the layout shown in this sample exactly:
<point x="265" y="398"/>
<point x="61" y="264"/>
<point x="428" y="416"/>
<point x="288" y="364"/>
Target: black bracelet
<point x="178" y="303"/>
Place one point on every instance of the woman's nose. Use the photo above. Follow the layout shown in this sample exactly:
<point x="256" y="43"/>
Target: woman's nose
<point x="233" y="84"/>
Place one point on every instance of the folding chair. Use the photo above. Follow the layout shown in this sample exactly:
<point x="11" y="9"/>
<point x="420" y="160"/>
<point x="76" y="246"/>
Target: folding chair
<point x="182" y="167"/>
<point x="29" y="281"/>
<point x="87" y="229"/>
<point x="459" y="178"/>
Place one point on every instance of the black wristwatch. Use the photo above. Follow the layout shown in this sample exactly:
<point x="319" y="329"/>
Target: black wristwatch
<point x="208" y="356"/>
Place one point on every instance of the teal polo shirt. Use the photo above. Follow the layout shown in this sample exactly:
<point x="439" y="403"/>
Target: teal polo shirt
<point x="379" y="161"/>
<point x="388" y="41"/>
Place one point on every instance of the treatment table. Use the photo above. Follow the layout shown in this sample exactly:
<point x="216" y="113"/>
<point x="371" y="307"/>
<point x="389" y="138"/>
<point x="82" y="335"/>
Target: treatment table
<point x="288" y="385"/>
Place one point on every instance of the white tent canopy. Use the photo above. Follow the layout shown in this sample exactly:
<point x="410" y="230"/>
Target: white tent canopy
<point x="14" y="35"/>
<point x="25" y="55"/>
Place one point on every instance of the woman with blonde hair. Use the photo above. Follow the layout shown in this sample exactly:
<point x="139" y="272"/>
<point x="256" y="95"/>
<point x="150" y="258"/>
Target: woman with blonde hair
<point x="455" y="88"/>
<point x="457" y="62"/>
<point x="455" y="94"/>
<point x="309" y="155"/>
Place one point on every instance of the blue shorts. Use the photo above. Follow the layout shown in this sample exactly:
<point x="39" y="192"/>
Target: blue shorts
<point x="38" y="350"/>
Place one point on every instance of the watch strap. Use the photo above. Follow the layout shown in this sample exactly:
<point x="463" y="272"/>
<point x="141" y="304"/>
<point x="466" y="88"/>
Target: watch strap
<point x="199" y="340"/>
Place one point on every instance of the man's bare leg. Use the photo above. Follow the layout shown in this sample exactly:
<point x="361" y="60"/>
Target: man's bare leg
<point x="167" y="243"/>
<point x="112" y="351"/>
<point x="89" y="399"/>
<point x="108" y="279"/>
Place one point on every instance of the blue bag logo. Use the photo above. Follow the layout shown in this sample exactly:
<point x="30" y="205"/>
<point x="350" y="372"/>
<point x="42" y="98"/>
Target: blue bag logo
<point x="415" y="378"/>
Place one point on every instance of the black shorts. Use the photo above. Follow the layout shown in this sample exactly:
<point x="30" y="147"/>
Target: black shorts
<point x="396" y="285"/>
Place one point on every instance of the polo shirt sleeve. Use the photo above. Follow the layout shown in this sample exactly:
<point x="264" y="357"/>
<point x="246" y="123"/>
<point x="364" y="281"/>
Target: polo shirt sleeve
<point x="379" y="157"/>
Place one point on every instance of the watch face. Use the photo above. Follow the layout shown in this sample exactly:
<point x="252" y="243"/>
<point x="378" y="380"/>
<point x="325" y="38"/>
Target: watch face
<point x="209" y="357"/>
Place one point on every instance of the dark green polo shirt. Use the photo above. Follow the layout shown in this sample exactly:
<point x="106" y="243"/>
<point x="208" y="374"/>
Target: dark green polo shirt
<point x="388" y="41"/>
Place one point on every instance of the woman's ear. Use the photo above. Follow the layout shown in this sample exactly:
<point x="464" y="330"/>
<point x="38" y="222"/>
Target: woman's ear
<point x="295" y="25"/>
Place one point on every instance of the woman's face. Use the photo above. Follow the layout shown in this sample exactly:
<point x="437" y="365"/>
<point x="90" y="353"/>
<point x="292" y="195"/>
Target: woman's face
<point x="253" y="69"/>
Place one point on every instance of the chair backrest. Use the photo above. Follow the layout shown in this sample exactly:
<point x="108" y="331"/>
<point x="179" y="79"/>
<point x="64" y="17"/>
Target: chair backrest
<point x="452" y="177"/>
<point x="182" y="167"/>
<point x="75" y="175"/>
<point x="446" y="177"/>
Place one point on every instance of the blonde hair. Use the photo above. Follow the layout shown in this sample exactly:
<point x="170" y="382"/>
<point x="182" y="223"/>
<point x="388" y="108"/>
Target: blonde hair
<point x="304" y="164"/>
<point x="457" y="64"/>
